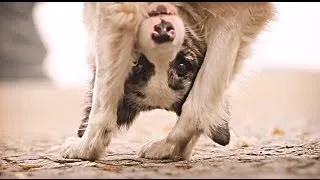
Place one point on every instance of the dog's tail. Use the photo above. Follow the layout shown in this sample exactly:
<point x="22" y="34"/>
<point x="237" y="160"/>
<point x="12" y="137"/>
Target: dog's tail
<point x="87" y="106"/>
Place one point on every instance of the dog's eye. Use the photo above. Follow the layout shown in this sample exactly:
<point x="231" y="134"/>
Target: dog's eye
<point x="182" y="69"/>
<point x="182" y="65"/>
<point x="138" y="68"/>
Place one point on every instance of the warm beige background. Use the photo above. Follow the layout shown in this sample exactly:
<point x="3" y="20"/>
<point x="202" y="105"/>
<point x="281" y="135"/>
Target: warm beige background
<point x="272" y="98"/>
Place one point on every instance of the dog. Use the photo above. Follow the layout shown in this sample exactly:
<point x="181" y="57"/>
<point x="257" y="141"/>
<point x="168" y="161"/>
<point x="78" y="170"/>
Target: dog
<point x="178" y="56"/>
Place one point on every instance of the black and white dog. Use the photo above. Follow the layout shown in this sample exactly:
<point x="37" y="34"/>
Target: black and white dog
<point x="175" y="56"/>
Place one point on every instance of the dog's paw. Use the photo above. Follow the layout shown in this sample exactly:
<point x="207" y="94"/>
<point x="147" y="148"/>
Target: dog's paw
<point x="70" y="148"/>
<point x="127" y="15"/>
<point x="73" y="148"/>
<point x="160" y="150"/>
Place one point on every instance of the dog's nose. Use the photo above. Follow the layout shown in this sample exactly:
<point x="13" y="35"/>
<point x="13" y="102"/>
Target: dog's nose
<point x="163" y="32"/>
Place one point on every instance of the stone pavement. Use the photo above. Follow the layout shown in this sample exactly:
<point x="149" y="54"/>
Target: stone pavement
<point x="284" y="159"/>
<point x="36" y="118"/>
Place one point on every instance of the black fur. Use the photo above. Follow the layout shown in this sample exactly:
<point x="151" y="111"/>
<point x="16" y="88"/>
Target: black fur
<point x="138" y="79"/>
<point x="221" y="134"/>
<point x="180" y="82"/>
<point x="181" y="75"/>
<point x="88" y="105"/>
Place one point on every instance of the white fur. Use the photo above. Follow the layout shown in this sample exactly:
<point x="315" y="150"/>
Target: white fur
<point x="157" y="92"/>
<point x="114" y="59"/>
<point x="228" y="33"/>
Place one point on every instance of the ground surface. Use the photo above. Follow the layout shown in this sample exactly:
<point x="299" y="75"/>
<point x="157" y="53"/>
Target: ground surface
<point x="290" y="159"/>
<point x="36" y="118"/>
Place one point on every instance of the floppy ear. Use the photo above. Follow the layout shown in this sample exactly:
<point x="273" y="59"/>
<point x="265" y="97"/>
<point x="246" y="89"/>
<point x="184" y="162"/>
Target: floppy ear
<point x="220" y="133"/>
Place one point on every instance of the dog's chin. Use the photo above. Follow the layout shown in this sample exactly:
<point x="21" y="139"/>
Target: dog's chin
<point x="147" y="44"/>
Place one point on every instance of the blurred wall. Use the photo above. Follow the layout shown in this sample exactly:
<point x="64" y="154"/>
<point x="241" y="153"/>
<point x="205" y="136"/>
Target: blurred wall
<point x="21" y="49"/>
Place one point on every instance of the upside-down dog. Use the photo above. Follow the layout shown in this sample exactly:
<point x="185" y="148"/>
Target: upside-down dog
<point x="179" y="56"/>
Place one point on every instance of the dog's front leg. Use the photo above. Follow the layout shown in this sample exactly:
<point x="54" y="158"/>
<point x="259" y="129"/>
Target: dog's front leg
<point x="204" y="110"/>
<point x="114" y="39"/>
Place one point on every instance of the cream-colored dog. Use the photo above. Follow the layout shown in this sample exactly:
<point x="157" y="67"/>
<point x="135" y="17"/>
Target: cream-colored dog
<point x="175" y="56"/>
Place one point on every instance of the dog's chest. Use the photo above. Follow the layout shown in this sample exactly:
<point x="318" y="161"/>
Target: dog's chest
<point x="157" y="91"/>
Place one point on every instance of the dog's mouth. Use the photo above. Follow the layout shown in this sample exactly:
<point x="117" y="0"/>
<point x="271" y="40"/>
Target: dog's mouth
<point x="158" y="9"/>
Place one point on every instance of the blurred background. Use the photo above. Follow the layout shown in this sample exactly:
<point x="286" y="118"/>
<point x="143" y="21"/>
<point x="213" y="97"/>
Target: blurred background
<point x="43" y="75"/>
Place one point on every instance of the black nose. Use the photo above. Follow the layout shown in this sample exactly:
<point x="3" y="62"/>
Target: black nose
<point x="164" y="32"/>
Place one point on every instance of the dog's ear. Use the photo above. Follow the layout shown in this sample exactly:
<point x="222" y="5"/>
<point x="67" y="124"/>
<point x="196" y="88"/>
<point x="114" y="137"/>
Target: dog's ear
<point x="220" y="134"/>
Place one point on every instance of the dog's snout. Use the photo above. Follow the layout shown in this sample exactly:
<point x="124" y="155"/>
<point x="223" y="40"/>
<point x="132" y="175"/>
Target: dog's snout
<point x="163" y="32"/>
